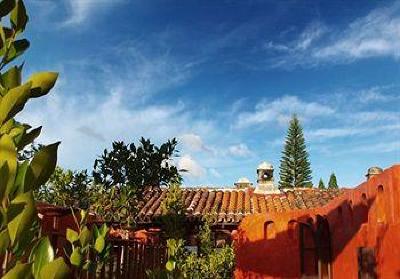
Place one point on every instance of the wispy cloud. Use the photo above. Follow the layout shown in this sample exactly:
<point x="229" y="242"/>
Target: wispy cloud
<point x="240" y="150"/>
<point x="329" y="133"/>
<point x="376" y="94"/>
<point x="382" y="147"/>
<point x="281" y="110"/>
<point x="371" y="117"/>
<point x="306" y="39"/>
<point x="375" y="35"/>
<point x="97" y="102"/>
<point x="79" y="11"/>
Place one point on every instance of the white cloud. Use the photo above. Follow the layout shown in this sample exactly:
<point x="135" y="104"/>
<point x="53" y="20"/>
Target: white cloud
<point x="376" y="94"/>
<point x="64" y="119"/>
<point x="89" y="109"/>
<point x="368" y="117"/>
<point x="81" y="10"/>
<point x="240" y="150"/>
<point x="375" y="35"/>
<point x="143" y="73"/>
<point x="312" y="33"/>
<point x="281" y="110"/>
<point x="193" y="168"/>
<point x="329" y="133"/>
<point x="194" y="142"/>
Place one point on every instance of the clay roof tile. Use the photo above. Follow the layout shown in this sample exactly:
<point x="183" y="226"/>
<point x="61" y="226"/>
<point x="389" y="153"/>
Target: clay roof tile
<point x="232" y="205"/>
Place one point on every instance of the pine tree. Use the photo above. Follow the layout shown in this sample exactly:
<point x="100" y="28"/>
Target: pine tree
<point x="321" y="184"/>
<point x="333" y="182"/>
<point x="295" y="169"/>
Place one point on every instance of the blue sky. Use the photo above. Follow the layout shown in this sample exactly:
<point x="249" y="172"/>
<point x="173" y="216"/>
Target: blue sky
<point x="223" y="77"/>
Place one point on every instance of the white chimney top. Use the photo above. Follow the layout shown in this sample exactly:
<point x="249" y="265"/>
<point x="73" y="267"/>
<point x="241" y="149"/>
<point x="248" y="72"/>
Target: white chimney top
<point x="265" y="166"/>
<point x="243" y="180"/>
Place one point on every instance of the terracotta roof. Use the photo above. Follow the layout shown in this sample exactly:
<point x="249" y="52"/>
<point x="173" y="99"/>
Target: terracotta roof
<point x="231" y="205"/>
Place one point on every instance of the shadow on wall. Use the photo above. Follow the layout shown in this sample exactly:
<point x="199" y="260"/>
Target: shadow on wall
<point x="311" y="241"/>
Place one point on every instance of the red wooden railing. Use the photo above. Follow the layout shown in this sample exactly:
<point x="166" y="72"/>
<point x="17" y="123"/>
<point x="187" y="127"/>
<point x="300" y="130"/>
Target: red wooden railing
<point x="128" y="259"/>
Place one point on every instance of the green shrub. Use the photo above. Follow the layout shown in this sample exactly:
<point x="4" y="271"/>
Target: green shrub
<point x="25" y="253"/>
<point x="66" y="188"/>
<point x="207" y="263"/>
<point x="116" y="205"/>
<point x="173" y="213"/>
<point x="89" y="248"/>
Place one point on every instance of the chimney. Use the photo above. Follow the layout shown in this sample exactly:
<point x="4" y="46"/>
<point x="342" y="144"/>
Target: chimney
<point x="265" y="179"/>
<point x="243" y="183"/>
<point x="372" y="171"/>
<point x="265" y="173"/>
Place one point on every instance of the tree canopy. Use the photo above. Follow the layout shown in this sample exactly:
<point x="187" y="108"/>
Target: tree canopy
<point x="137" y="166"/>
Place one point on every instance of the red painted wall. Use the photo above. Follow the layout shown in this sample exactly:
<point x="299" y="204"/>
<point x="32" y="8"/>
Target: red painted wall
<point x="267" y="246"/>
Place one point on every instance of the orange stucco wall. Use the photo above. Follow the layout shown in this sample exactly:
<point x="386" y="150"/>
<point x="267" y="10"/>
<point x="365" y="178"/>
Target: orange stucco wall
<point x="267" y="246"/>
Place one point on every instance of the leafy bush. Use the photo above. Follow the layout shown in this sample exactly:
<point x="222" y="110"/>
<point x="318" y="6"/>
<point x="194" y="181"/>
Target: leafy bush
<point x="25" y="253"/>
<point x="116" y="205"/>
<point x="66" y="188"/>
<point x="209" y="262"/>
<point x="89" y="248"/>
<point x="173" y="213"/>
<point x="136" y="167"/>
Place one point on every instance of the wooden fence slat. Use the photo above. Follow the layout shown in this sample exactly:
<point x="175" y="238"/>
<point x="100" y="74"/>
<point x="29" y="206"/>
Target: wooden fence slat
<point x="128" y="258"/>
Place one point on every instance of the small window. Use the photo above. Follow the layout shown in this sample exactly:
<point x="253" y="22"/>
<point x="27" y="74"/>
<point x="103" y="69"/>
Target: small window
<point x="380" y="206"/>
<point x="364" y="199"/>
<point x="269" y="230"/>
<point x="366" y="263"/>
<point x="308" y="253"/>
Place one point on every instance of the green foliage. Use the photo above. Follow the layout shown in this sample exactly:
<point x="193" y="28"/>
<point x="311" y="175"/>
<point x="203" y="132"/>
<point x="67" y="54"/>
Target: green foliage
<point x="321" y="184"/>
<point x="205" y="234"/>
<point x="295" y="169"/>
<point x="89" y="250"/>
<point x="137" y="167"/>
<point x="175" y="254"/>
<point x="25" y="254"/>
<point x="124" y="173"/>
<point x="209" y="263"/>
<point x="116" y="205"/>
<point x="219" y="264"/>
<point x="173" y="213"/>
<point x="332" y="184"/>
<point x="66" y="188"/>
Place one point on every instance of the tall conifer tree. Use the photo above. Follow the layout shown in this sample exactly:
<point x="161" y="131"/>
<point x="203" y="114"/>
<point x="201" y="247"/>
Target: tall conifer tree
<point x="321" y="184"/>
<point x="332" y="184"/>
<point x="295" y="169"/>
